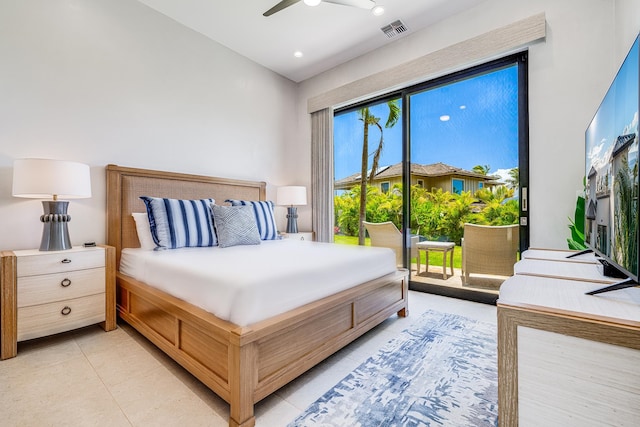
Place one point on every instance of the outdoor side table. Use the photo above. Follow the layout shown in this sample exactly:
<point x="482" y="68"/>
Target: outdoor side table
<point x="444" y="247"/>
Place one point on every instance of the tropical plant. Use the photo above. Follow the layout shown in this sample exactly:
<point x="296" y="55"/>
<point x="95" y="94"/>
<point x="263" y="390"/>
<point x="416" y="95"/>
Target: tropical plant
<point x="481" y="169"/>
<point x="498" y="194"/>
<point x="625" y="245"/>
<point x="435" y="214"/>
<point x="504" y="212"/>
<point x="576" y="225"/>
<point x="513" y="181"/>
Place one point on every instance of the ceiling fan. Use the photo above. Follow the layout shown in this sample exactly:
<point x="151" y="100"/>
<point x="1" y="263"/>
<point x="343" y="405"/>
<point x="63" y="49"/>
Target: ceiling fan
<point x="363" y="4"/>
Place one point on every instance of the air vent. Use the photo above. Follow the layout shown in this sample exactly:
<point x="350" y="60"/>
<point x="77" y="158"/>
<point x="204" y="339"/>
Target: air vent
<point x="394" y="29"/>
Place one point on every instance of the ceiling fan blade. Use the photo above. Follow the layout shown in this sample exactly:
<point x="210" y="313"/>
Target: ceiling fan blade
<point x="278" y="7"/>
<point x="363" y="4"/>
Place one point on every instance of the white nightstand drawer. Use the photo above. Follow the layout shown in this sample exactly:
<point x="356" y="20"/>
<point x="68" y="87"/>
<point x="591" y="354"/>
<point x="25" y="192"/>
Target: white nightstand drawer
<point x="32" y="263"/>
<point x="47" y="288"/>
<point x="46" y="319"/>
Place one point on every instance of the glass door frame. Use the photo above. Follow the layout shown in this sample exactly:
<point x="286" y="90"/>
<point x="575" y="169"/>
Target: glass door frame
<point x="519" y="59"/>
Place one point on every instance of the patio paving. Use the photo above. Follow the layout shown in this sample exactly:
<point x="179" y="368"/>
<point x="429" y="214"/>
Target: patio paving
<point x="484" y="283"/>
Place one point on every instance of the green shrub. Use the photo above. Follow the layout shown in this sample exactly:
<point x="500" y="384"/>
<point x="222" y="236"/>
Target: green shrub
<point x="435" y="214"/>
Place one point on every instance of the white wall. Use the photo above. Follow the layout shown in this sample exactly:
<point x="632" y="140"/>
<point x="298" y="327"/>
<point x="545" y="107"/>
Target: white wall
<point x="568" y="75"/>
<point x="627" y="26"/>
<point x="113" y="81"/>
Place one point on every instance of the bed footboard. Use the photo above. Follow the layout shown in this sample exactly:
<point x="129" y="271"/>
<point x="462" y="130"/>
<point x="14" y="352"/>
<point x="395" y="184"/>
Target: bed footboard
<point x="243" y="365"/>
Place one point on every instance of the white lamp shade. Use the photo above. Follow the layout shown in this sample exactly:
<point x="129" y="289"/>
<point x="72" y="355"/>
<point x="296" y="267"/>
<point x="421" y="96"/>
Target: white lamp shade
<point x="44" y="178"/>
<point x="292" y="196"/>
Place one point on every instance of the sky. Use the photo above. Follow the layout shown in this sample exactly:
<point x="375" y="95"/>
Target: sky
<point x="464" y="124"/>
<point x="616" y="116"/>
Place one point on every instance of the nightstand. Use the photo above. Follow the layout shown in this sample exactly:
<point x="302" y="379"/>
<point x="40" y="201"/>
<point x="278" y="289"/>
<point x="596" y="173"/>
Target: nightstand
<point x="44" y="293"/>
<point x="303" y="235"/>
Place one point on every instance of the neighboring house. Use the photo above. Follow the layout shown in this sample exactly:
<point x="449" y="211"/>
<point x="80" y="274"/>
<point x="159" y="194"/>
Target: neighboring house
<point x="600" y="190"/>
<point x="433" y="176"/>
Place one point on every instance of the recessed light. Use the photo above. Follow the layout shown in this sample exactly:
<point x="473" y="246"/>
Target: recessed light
<point x="378" y="10"/>
<point x="444" y="118"/>
<point x="312" y="2"/>
<point x="298" y="54"/>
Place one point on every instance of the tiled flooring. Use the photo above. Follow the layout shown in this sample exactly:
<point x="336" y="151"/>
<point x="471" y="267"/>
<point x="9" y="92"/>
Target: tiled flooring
<point x="92" y="378"/>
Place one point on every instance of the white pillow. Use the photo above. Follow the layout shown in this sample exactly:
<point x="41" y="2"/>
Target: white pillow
<point x="144" y="230"/>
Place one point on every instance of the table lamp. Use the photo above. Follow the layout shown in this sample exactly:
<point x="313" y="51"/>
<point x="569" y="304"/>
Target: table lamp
<point x="292" y="196"/>
<point x="56" y="179"/>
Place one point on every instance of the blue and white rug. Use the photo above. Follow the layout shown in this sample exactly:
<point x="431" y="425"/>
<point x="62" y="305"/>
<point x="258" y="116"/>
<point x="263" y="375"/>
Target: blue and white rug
<point x="442" y="371"/>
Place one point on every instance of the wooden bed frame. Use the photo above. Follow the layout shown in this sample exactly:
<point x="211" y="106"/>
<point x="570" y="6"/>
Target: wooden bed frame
<point x="242" y="365"/>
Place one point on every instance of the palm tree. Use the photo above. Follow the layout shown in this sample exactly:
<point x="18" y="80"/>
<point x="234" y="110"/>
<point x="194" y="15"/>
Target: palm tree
<point x="368" y="119"/>
<point x="514" y="178"/>
<point x="482" y="170"/>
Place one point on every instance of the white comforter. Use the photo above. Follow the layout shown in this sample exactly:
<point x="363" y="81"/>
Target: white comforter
<point x="247" y="284"/>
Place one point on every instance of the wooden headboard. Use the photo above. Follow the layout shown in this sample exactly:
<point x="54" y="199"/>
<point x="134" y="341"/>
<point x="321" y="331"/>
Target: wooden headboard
<point x="126" y="185"/>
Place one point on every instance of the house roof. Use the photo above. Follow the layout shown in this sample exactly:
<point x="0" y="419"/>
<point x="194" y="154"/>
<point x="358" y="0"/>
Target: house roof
<point x="430" y="171"/>
<point x="622" y="142"/>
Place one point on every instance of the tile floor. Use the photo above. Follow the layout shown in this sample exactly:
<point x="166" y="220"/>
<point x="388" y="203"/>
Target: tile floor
<point x="92" y="378"/>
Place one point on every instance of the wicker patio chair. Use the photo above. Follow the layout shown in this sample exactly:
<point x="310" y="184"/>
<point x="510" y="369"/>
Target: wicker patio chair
<point x="490" y="250"/>
<point x="387" y="235"/>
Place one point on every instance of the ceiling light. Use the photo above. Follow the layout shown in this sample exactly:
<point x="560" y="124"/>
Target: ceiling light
<point x="312" y="2"/>
<point x="298" y="54"/>
<point x="378" y="10"/>
<point x="444" y="118"/>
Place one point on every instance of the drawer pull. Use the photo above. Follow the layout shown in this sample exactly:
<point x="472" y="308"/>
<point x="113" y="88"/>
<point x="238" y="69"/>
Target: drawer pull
<point x="66" y="310"/>
<point x="66" y="261"/>
<point x="65" y="282"/>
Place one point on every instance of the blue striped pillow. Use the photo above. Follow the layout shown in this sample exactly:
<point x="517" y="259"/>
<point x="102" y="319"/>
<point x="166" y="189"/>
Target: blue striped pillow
<point x="178" y="223"/>
<point x="265" y="219"/>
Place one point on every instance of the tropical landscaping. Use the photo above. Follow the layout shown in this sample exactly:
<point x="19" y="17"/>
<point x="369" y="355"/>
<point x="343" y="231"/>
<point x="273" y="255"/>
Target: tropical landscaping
<point x="434" y="214"/>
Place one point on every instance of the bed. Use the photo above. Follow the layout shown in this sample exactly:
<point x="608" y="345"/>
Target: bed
<point x="241" y="364"/>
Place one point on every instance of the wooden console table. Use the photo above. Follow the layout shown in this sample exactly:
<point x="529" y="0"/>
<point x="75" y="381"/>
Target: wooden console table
<point x="566" y="358"/>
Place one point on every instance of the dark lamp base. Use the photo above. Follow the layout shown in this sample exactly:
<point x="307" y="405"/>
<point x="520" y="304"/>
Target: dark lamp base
<point x="292" y="220"/>
<point x="55" y="234"/>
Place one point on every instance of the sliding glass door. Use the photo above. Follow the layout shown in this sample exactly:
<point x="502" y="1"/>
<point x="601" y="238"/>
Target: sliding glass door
<point x="467" y="137"/>
<point x="431" y="159"/>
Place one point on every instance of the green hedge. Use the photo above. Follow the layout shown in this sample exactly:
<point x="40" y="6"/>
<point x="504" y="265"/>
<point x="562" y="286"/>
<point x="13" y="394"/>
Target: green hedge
<point x="435" y="214"/>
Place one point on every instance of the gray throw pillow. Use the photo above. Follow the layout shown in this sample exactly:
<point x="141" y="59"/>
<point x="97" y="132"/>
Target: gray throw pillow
<point x="235" y="225"/>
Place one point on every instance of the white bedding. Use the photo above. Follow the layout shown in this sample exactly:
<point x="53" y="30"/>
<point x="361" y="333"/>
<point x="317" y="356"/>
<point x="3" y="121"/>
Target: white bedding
<point x="247" y="284"/>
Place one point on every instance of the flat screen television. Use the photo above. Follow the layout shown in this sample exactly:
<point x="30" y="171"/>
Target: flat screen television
<point x="611" y="199"/>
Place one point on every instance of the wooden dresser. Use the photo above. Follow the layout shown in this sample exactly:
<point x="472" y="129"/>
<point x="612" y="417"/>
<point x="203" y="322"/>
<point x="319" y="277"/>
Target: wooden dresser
<point x="44" y="293"/>
<point x="566" y="358"/>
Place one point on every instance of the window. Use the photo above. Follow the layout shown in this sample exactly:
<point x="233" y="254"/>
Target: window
<point x="384" y="186"/>
<point x="480" y="185"/>
<point x="457" y="186"/>
<point x="420" y="183"/>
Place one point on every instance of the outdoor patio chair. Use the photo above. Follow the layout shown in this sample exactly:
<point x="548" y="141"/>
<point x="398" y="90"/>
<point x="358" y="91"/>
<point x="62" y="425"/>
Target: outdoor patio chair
<point x="489" y="250"/>
<point x="387" y="235"/>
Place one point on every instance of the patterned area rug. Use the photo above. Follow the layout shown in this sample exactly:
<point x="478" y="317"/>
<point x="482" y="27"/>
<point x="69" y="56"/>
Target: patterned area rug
<point x="442" y="371"/>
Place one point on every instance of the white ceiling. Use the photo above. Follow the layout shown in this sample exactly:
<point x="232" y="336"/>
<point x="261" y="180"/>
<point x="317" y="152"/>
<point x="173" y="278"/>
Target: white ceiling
<point x="327" y="34"/>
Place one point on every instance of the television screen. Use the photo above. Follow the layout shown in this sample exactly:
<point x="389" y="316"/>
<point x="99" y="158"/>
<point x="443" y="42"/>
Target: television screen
<point x="611" y="147"/>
